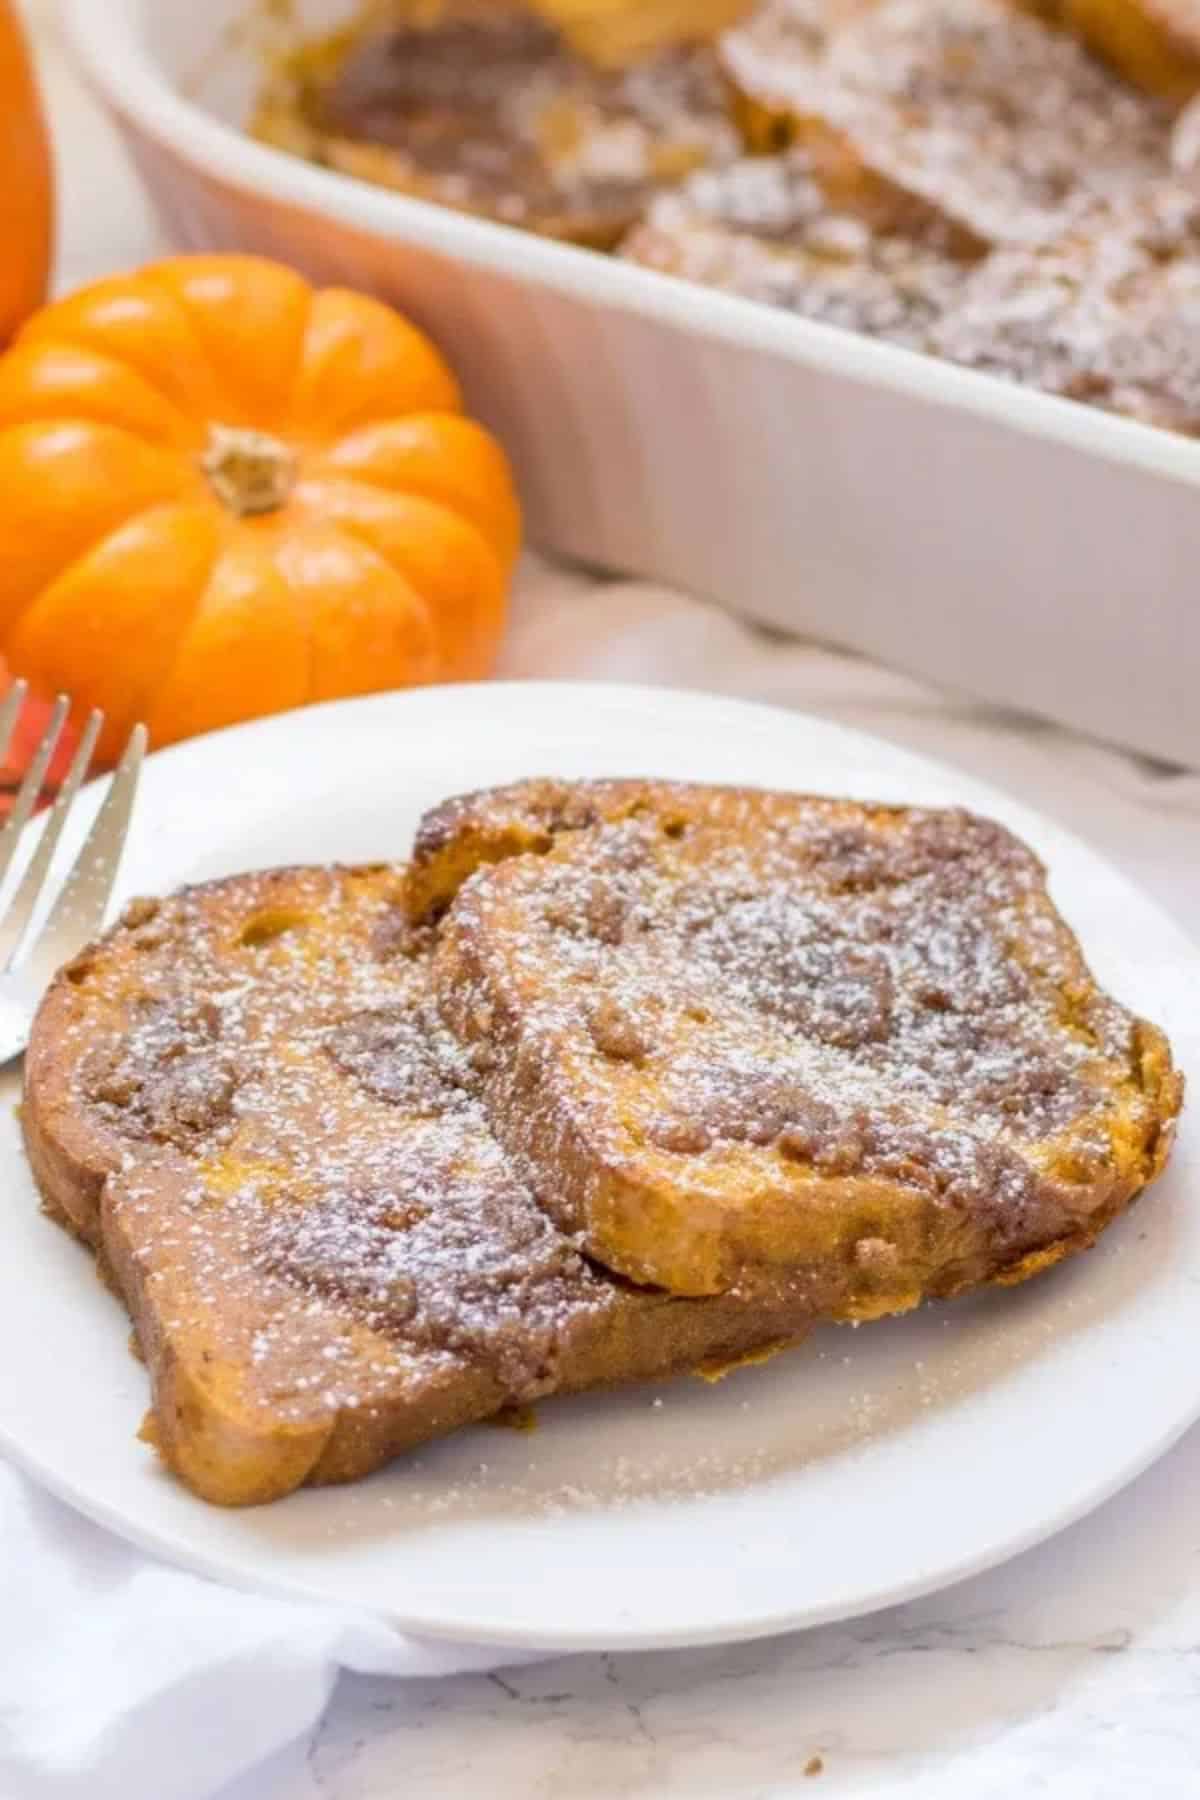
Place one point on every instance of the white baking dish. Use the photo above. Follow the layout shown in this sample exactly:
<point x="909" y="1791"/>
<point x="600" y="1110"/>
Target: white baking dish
<point x="1015" y="546"/>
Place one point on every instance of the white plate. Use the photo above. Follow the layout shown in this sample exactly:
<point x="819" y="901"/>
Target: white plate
<point x="869" y="1467"/>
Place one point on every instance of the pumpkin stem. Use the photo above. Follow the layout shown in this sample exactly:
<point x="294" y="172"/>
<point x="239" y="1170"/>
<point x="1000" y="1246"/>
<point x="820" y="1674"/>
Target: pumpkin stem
<point x="250" y="472"/>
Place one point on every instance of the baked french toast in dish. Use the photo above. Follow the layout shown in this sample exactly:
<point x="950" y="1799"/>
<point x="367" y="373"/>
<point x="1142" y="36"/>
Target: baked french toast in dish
<point x="1005" y="186"/>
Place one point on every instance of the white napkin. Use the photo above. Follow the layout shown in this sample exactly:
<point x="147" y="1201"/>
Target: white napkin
<point x="121" y="1678"/>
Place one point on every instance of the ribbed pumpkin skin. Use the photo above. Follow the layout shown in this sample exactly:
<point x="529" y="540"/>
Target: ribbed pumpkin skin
<point x="25" y="180"/>
<point x="224" y="494"/>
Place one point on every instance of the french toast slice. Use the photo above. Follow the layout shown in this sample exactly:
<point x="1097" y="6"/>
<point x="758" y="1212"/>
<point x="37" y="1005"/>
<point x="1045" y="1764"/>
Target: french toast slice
<point x="963" y="116"/>
<point x="481" y="105"/>
<point x="725" y="1034"/>
<point x="242" y="1101"/>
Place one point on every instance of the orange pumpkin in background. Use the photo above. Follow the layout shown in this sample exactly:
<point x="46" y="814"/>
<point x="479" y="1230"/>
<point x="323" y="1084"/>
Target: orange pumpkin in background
<point x="223" y="494"/>
<point x="25" y="180"/>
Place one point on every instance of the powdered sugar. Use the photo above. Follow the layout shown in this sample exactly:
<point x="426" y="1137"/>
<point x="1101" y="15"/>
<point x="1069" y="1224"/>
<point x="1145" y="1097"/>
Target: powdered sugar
<point x="1006" y="129"/>
<point x="763" y="228"/>
<point x="1110" y="319"/>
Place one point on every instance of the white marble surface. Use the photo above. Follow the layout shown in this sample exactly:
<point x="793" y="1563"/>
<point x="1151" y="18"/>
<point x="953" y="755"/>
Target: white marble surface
<point x="1074" y="1672"/>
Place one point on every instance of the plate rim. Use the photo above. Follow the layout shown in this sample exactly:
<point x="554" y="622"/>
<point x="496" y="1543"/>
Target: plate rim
<point x="566" y="1642"/>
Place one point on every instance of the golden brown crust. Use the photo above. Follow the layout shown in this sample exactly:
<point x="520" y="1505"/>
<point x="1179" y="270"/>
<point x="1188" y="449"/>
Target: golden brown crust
<point x="1155" y="44"/>
<point x="726" y="1033"/>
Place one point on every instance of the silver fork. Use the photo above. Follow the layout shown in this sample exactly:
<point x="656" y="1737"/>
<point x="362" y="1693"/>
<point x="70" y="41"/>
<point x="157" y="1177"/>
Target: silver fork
<point x="78" y="911"/>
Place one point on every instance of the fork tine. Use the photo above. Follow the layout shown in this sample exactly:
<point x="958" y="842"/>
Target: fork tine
<point x="31" y="787"/>
<point x="10" y="712"/>
<point x="78" y="913"/>
<point x="16" y="920"/>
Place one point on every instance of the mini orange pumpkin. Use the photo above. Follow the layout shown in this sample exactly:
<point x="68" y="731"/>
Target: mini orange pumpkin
<point x="26" y="179"/>
<point x="223" y="494"/>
